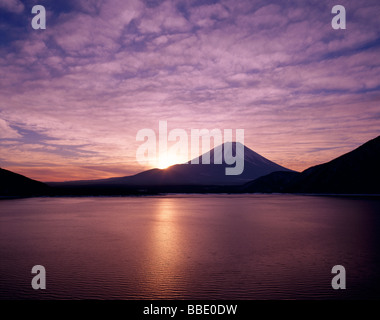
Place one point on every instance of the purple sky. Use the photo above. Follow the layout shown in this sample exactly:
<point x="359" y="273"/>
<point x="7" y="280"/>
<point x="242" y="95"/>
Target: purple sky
<point x="73" y="96"/>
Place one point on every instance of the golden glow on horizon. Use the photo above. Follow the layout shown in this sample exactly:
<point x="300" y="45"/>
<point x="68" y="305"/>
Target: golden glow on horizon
<point x="165" y="161"/>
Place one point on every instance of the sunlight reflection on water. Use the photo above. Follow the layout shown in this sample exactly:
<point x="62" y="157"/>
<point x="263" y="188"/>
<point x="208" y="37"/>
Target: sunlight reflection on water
<point x="190" y="247"/>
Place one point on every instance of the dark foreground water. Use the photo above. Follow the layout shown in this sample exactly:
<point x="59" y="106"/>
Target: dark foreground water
<point x="190" y="247"/>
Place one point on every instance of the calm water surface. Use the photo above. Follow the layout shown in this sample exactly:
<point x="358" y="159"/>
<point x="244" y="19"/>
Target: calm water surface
<point x="190" y="247"/>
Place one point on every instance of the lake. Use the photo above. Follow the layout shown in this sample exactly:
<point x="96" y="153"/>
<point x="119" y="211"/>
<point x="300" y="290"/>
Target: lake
<point x="190" y="247"/>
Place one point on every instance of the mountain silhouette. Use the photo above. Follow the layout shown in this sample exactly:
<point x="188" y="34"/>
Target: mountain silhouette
<point x="356" y="172"/>
<point x="201" y="174"/>
<point x="13" y="184"/>
<point x="275" y="182"/>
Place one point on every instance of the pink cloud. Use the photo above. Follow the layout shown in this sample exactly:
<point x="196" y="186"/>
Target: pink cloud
<point x="15" y="6"/>
<point x="103" y="72"/>
<point x="6" y="132"/>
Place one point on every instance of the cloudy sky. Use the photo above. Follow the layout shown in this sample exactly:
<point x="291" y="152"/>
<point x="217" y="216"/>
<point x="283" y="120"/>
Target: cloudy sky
<point x="74" y="96"/>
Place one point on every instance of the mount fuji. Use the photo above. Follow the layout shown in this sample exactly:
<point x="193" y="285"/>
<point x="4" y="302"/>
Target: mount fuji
<point x="189" y="174"/>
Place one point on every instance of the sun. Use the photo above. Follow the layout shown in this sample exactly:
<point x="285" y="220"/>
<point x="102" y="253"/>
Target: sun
<point x="165" y="161"/>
